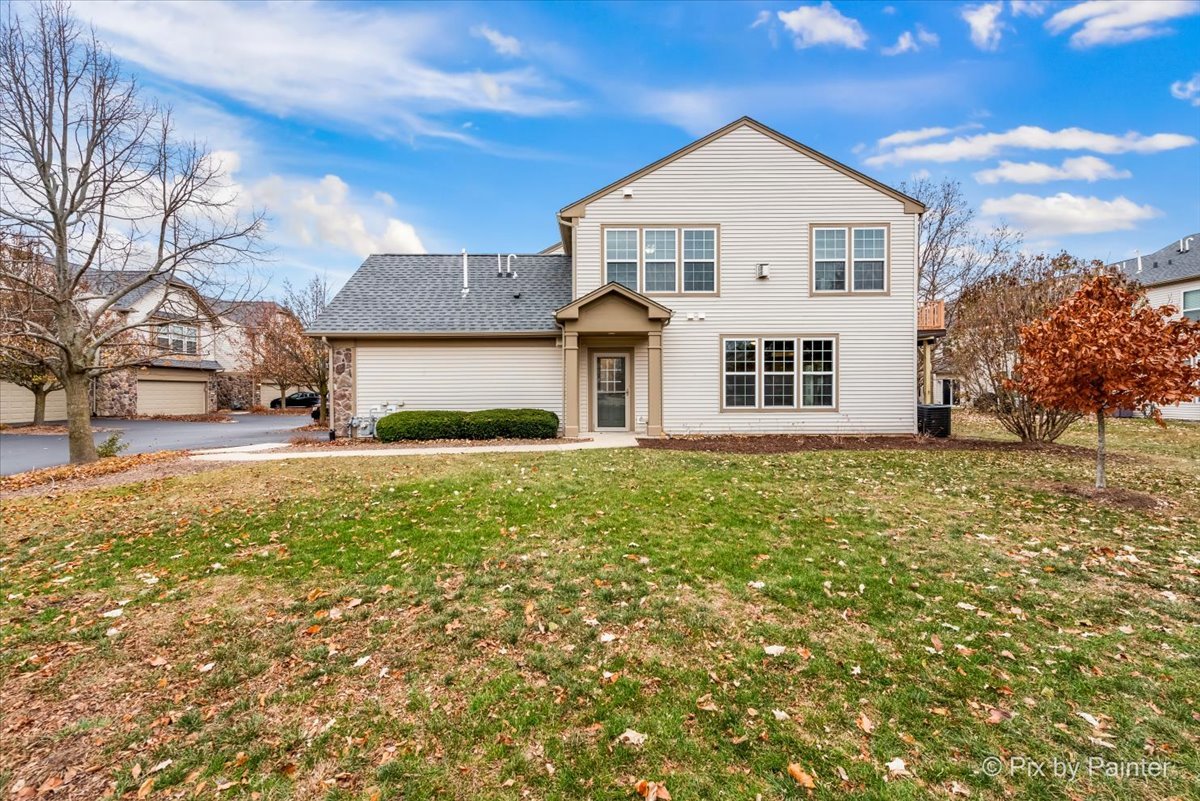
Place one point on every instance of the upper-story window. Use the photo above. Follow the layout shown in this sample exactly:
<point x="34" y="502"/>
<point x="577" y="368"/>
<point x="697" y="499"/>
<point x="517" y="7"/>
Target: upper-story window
<point x="670" y="260"/>
<point x="179" y="338"/>
<point x="1191" y="304"/>
<point x="621" y="257"/>
<point x="850" y="259"/>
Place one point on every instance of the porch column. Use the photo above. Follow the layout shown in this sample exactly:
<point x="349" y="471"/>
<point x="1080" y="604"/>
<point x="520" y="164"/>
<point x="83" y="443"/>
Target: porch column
<point x="654" y="416"/>
<point x="927" y="373"/>
<point x="570" y="385"/>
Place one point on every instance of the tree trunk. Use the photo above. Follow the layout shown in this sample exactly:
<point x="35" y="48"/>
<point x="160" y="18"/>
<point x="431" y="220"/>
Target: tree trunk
<point x="39" y="405"/>
<point x="79" y="419"/>
<point x="1100" y="449"/>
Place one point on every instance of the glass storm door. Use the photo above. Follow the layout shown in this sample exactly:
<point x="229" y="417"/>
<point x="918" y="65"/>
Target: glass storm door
<point x="612" y="392"/>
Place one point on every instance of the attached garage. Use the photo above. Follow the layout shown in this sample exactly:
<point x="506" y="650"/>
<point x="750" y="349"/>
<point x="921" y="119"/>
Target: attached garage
<point x="172" y="392"/>
<point x="16" y="405"/>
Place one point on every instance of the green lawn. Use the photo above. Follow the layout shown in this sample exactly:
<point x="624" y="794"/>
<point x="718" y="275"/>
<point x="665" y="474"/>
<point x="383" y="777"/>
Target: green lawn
<point x="486" y="626"/>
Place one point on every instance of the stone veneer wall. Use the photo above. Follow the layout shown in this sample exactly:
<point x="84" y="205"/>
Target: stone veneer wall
<point x="341" y="382"/>
<point x="231" y="390"/>
<point x="116" y="394"/>
<point x="210" y="395"/>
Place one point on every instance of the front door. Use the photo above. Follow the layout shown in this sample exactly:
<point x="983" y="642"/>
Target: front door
<point x="612" y="392"/>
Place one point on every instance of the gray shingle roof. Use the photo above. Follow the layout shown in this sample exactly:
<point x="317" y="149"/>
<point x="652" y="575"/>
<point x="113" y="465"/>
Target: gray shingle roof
<point x="1166" y="265"/>
<point x="408" y="294"/>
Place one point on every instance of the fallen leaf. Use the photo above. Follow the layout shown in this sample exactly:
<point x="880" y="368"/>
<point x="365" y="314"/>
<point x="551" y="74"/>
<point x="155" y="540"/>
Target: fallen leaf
<point x="631" y="737"/>
<point x="706" y="704"/>
<point x="780" y="714"/>
<point x="997" y="716"/>
<point x="775" y="650"/>
<point x="146" y="789"/>
<point x="652" y="791"/>
<point x="865" y="723"/>
<point x="897" y="767"/>
<point x="207" y="668"/>
<point x="958" y="789"/>
<point x="801" y="776"/>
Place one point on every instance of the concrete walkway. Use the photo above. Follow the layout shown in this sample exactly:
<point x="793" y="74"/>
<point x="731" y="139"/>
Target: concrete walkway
<point x="260" y="453"/>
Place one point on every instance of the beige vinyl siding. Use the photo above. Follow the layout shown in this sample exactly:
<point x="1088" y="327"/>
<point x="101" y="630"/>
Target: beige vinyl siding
<point x="16" y="405"/>
<point x="1172" y="294"/>
<point x="765" y="195"/>
<point x="460" y="374"/>
<point x="171" y="396"/>
<point x="268" y="393"/>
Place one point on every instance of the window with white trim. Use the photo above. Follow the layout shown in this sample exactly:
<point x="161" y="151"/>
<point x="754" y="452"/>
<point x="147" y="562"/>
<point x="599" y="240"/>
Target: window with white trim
<point x="699" y="260"/>
<point x="829" y="253"/>
<point x="178" y="338"/>
<point x="850" y="259"/>
<point x="741" y="373"/>
<point x="779" y="373"/>
<point x="621" y="256"/>
<point x="1191" y="304"/>
<point x="870" y="255"/>
<point x="817" y="364"/>
<point x="660" y="262"/>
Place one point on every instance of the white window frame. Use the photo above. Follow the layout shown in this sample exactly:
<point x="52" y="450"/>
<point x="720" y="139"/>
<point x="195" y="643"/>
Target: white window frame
<point x="1184" y="309"/>
<point x="794" y="372"/>
<point x="637" y="253"/>
<point x="846" y="259"/>
<point x="801" y="372"/>
<point x="178" y="332"/>
<point x="753" y="372"/>
<point x="854" y="258"/>
<point x="677" y="235"/>
<point x="716" y="237"/>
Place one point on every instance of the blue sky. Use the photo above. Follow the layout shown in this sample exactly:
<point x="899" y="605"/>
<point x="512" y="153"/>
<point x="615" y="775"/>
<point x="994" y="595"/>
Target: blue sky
<point x="366" y="127"/>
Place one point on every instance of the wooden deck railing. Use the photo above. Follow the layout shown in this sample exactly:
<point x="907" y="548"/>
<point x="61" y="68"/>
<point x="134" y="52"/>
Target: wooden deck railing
<point x="932" y="316"/>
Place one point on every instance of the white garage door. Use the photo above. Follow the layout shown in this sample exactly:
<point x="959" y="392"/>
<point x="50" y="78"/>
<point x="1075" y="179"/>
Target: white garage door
<point x="16" y="404"/>
<point x="171" y="397"/>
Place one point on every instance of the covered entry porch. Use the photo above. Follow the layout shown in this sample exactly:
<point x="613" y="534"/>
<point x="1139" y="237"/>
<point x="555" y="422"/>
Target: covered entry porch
<point x="612" y="362"/>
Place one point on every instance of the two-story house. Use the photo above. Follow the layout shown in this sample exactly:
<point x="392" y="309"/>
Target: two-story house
<point x="1171" y="277"/>
<point x="743" y="284"/>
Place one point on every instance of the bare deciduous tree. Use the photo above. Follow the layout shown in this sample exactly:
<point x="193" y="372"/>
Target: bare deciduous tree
<point x="307" y="303"/>
<point x="96" y="175"/>
<point x="275" y="346"/>
<point x="954" y="253"/>
<point x="984" y="337"/>
<point x="24" y="361"/>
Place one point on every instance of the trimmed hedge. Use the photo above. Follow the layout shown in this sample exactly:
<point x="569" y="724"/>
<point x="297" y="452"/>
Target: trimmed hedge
<point x="487" y="424"/>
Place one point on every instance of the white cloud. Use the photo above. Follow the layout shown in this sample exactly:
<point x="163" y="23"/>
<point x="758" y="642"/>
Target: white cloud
<point x="370" y="68"/>
<point x="502" y="44"/>
<point x="1082" y="168"/>
<point x="1027" y="8"/>
<point x="1030" y="137"/>
<point x="1188" y="90"/>
<point x="823" y="25"/>
<point x="1064" y="214"/>
<point x="763" y="18"/>
<point x="1105" y="22"/>
<point x="984" y="22"/>
<point x="921" y="135"/>
<point x="323" y="213"/>
<point x="908" y="42"/>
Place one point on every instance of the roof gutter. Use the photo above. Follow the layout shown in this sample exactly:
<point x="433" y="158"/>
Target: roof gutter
<point x="566" y="227"/>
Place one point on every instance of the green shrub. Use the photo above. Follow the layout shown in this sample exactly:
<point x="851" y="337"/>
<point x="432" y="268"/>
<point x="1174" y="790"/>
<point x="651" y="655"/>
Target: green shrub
<point x="487" y="424"/>
<point x="111" y="446"/>
<point x="512" y="423"/>
<point x="421" y="425"/>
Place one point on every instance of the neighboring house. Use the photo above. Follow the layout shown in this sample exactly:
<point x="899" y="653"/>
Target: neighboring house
<point x="1171" y="276"/>
<point x="200" y="367"/>
<point x="745" y="283"/>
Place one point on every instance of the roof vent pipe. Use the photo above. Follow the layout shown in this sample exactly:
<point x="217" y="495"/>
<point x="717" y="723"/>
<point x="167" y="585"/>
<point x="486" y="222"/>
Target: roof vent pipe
<point x="499" y="266"/>
<point x="466" y="288"/>
<point x="1186" y="244"/>
<point x="1139" y="257"/>
<point x="508" y="265"/>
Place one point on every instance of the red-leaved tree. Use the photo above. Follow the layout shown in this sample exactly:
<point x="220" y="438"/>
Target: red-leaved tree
<point x="1103" y="349"/>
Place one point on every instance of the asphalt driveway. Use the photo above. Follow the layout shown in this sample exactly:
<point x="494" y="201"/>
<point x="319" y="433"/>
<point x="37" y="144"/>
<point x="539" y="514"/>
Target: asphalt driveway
<point x="20" y="452"/>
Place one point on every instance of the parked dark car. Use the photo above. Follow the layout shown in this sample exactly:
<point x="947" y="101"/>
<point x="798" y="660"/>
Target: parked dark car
<point x="299" y="400"/>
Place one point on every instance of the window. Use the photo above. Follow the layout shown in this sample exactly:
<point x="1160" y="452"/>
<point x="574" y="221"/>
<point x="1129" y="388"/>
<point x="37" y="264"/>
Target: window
<point x="741" y="373"/>
<point x="870" y="251"/>
<point x="659" y="252"/>
<point x="817" y="365"/>
<point x="829" y="251"/>
<point x="779" y="372"/>
<point x="774" y="373"/>
<point x="1191" y="304"/>
<point x="621" y="257"/>
<point x="699" y="260"/>
<point x="849" y="259"/>
<point x="178" y="338"/>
